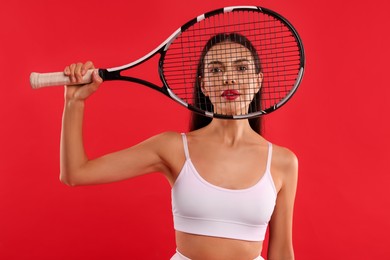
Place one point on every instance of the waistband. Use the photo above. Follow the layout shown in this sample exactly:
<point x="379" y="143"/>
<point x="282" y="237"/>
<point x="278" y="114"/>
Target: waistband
<point x="179" y="256"/>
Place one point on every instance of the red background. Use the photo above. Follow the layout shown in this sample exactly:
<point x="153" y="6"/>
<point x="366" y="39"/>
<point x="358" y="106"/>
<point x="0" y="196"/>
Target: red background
<point x="337" y="124"/>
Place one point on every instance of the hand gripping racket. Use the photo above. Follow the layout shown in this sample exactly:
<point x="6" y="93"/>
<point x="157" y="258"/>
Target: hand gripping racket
<point x="208" y="64"/>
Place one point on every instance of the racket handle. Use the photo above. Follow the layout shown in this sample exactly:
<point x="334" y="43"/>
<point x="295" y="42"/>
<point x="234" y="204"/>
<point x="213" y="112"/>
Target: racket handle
<point x="40" y="80"/>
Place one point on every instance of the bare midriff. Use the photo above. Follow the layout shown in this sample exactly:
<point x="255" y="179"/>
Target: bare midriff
<point x="206" y="247"/>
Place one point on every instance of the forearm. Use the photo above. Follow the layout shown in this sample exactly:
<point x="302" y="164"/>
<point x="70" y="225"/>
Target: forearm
<point x="72" y="153"/>
<point x="281" y="254"/>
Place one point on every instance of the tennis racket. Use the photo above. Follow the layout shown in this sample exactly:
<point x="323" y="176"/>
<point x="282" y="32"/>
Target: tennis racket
<point x="212" y="62"/>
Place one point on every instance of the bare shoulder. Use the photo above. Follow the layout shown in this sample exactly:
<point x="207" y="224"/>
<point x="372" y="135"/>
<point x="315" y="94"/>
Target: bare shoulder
<point x="165" y="147"/>
<point x="284" y="166"/>
<point x="284" y="157"/>
<point x="166" y="142"/>
<point x="167" y="137"/>
<point x="169" y="146"/>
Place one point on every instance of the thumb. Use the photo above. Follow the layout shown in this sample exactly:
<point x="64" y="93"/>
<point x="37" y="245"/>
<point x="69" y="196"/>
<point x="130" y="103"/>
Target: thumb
<point x="89" y="89"/>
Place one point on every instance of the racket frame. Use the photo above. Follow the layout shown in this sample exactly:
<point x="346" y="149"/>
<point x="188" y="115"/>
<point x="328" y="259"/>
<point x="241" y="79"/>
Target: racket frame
<point x="115" y="72"/>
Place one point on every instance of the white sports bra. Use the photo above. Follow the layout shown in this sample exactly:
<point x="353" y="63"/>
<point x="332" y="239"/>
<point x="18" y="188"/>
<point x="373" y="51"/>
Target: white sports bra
<point x="202" y="208"/>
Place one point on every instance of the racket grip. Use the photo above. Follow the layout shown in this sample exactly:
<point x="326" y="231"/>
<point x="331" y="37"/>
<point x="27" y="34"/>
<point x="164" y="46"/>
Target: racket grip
<point x="40" y="80"/>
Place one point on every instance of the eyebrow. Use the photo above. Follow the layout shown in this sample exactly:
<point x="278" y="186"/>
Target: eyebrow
<point x="216" y="62"/>
<point x="242" y="60"/>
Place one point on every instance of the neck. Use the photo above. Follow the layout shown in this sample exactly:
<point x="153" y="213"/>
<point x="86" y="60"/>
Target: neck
<point x="229" y="131"/>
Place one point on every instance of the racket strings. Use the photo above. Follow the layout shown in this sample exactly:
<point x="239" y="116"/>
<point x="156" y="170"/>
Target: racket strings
<point x="207" y="88"/>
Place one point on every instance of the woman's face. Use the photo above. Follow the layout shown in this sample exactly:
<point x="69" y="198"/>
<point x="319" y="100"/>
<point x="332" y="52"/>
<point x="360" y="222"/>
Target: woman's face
<point x="230" y="79"/>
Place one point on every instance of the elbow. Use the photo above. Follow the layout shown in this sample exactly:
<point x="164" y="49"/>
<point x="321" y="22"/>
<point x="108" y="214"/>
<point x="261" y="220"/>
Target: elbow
<point x="64" y="179"/>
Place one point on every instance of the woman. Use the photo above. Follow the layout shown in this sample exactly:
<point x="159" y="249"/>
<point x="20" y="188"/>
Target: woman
<point x="228" y="182"/>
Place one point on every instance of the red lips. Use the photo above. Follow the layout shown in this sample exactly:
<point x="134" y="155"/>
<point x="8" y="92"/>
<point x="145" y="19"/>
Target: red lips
<point x="230" y="94"/>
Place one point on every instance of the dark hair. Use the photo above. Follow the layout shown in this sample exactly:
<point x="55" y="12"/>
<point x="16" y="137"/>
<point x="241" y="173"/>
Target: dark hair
<point x="197" y="120"/>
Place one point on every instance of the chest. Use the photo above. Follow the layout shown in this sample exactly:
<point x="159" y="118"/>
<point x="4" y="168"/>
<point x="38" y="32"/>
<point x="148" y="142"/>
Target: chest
<point x="229" y="167"/>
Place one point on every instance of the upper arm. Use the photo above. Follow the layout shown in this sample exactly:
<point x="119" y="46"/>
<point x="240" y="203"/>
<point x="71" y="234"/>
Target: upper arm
<point x="280" y="239"/>
<point x="151" y="155"/>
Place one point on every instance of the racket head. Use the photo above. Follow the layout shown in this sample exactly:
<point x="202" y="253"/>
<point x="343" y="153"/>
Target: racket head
<point x="263" y="69"/>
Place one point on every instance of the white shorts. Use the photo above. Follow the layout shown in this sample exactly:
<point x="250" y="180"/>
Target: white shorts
<point x="179" y="256"/>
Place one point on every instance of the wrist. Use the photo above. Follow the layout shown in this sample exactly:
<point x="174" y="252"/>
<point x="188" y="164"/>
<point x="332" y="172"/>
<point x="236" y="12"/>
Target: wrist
<point x="74" y="102"/>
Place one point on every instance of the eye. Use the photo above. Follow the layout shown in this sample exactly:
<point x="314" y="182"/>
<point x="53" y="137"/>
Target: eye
<point x="242" y="68"/>
<point x="215" y="70"/>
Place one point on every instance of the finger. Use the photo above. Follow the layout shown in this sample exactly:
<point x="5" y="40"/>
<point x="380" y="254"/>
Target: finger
<point x="67" y="71"/>
<point x="71" y="75"/>
<point x="77" y="72"/>
<point x="96" y="79"/>
<point x="86" y="66"/>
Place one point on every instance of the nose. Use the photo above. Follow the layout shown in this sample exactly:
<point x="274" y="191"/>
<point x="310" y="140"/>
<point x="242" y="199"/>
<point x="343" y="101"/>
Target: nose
<point x="229" y="81"/>
<point x="229" y="77"/>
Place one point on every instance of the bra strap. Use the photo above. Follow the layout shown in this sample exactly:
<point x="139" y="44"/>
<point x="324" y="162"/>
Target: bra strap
<point x="183" y="135"/>
<point x="269" y="158"/>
